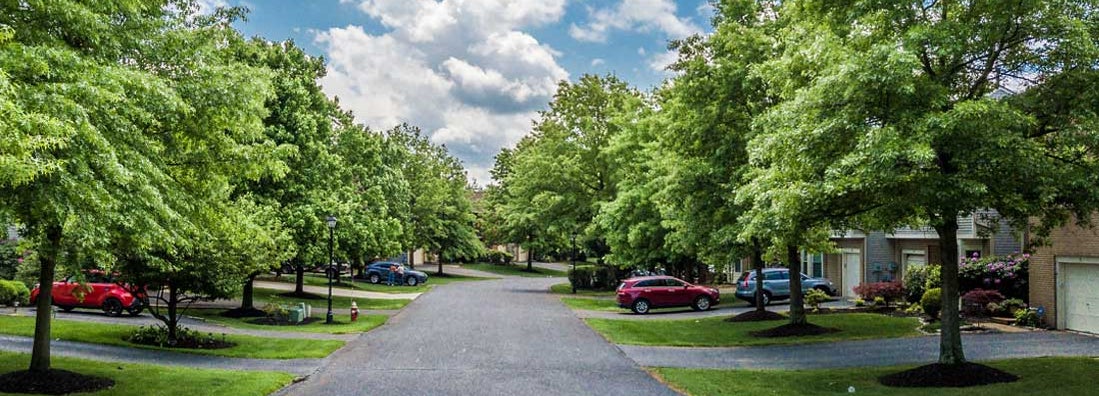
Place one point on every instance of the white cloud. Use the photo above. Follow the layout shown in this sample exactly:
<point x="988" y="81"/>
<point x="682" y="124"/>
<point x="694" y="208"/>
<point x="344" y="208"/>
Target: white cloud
<point x="661" y="61"/>
<point x="634" y="15"/>
<point x="641" y="51"/>
<point x="597" y="62"/>
<point x="462" y="70"/>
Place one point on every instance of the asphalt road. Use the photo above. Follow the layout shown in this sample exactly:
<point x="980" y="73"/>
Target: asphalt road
<point x="499" y="337"/>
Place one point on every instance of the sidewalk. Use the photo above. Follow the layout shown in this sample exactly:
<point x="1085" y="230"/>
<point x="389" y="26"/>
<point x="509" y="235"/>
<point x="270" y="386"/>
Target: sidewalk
<point x="145" y="356"/>
<point x="884" y="352"/>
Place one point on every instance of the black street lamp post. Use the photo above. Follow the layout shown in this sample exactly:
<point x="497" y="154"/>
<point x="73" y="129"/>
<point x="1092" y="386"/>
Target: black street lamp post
<point x="331" y="230"/>
<point x="572" y="257"/>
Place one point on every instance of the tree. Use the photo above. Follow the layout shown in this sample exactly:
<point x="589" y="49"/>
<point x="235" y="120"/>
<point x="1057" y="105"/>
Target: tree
<point x="100" y="105"/>
<point x="927" y="111"/>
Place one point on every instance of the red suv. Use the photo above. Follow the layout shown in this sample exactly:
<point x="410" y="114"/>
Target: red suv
<point x="99" y="290"/>
<point x="648" y="292"/>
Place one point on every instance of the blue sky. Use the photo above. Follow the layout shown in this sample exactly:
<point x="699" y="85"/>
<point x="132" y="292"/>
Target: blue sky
<point x="472" y="73"/>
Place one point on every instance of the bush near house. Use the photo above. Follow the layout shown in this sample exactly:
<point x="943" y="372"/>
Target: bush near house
<point x="594" y="277"/>
<point x="932" y="302"/>
<point x="888" y="292"/>
<point x="1007" y="308"/>
<point x="976" y="301"/>
<point x="12" y="292"/>
<point x="915" y="282"/>
<point x="1007" y="274"/>
<point x="497" y="257"/>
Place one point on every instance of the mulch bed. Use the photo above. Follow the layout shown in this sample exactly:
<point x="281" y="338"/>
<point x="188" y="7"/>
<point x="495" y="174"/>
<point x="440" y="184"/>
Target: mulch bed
<point x="793" y="330"/>
<point x="193" y="343"/>
<point x="52" y="382"/>
<point x="244" y="313"/>
<point x="756" y="316"/>
<point x="268" y="321"/>
<point x="947" y="376"/>
<point x="302" y="295"/>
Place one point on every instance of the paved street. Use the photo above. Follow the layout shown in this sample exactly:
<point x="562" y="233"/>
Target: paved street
<point x="499" y="337"/>
<point x="886" y="352"/>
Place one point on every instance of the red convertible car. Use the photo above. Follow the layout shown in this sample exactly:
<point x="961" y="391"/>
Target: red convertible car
<point x="99" y="290"/>
<point x="644" y="293"/>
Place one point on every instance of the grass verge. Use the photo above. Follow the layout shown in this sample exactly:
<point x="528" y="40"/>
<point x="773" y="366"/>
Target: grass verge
<point x="1038" y="376"/>
<point x="149" y="379"/>
<point x="264" y="296"/>
<point x="343" y="323"/>
<point x="514" y="270"/>
<point x="115" y="334"/>
<point x="592" y="304"/>
<point x="716" y="332"/>
<point x="345" y="283"/>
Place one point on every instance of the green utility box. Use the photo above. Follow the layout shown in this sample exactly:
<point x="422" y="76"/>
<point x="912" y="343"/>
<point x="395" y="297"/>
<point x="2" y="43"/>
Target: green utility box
<point x="297" y="315"/>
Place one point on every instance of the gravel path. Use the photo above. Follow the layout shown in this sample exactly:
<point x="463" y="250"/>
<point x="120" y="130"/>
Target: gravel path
<point x="134" y="355"/>
<point x="498" y="337"/>
<point x="886" y="352"/>
<point x="323" y="290"/>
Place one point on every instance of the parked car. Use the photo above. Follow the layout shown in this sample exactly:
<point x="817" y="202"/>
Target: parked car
<point x="776" y="285"/>
<point x="645" y="293"/>
<point x="329" y="271"/>
<point x="379" y="272"/>
<point x="99" y="290"/>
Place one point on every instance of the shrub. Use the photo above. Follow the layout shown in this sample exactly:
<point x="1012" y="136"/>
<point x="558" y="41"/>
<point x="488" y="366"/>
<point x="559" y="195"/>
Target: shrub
<point x="497" y="257"/>
<point x="276" y="312"/>
<point x="934" y="278"/>
<point x="888" y="291"/>
<point x="1007" y="275"/>
<point x="10" y="258"/>
<point x="915" y="282"/>
<point x="1027" y="317"/>
<point x="976" y="301"/>
<point x="604" y="278"/>
<point x="932" y="302"/>
<point x="879" y="301"/>
<point x="186" y="338"/>
<point x="814" y="298"/>
<point x="581" y="276"/>
<point x="860" y="302"/>
<point x="1007" y="308"/>
<point x="12" y="292"/>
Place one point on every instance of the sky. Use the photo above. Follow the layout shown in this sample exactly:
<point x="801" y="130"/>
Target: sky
<point x="472" y="74"/>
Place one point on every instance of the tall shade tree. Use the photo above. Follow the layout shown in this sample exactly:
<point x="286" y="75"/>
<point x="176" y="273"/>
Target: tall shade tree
<point x="927" y="111"/>
<point x="114" y="113"/>
<point x="560" y="177"/>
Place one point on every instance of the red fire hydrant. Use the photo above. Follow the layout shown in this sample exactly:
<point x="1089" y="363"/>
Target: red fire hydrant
<point x="354" y="311"/>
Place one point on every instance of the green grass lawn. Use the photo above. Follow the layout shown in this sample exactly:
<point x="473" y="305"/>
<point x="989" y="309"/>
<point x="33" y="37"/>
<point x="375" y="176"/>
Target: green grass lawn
<point x="149" y="379"/>
<point x="264" y="296"/>
<point x="113" y="334"/>
<point x="1040" y="376"/>
<point x="436" y="279"/>
<point x="716" y="332"/>
<point x="343" y="323"/>
<point x="566" y="288"/>
<point x="514" y="270"/>
<point x="593" y="304"/>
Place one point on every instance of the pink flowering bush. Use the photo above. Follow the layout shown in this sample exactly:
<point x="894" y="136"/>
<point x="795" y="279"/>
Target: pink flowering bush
<point x="1006" y="274"/>
<point x="888" y="291"/>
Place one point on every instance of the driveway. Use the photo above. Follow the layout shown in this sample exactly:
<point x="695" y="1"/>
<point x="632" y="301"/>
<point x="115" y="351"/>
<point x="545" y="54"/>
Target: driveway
<point x="886" y="352"/>
<point x="498" y="337"/>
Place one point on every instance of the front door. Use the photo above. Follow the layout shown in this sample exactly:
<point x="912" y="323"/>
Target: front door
<point x="852" y="273"/>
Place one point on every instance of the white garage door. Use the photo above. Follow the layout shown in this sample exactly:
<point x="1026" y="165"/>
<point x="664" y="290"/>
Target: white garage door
<point x="1081" y="297"/>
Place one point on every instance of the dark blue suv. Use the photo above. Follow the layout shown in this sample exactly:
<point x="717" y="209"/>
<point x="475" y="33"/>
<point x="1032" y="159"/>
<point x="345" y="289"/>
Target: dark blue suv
<point x="379" y="272"/>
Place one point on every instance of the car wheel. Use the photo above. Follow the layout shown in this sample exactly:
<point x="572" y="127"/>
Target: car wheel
<point x="702" y="303"/>
<point x="641" y="306"/>
<point x="412" y="281"/>
<point x="374" y="278"/>
<point x="112" y="307"/>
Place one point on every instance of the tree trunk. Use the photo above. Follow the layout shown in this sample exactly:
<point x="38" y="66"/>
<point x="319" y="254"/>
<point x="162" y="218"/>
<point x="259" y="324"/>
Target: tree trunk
<point x="246" y="300"/>
<point x="299" y="281"/>
<point x="439" y="258"/>
<point x="173" y="319"/>
<point x="950" y="339"/>
<point x="757" y="263"/>
<point x="530" y="260"/>
<point x="412" y="259"/>
<point x="797" y="303"/>
<point x="40" y="350"/>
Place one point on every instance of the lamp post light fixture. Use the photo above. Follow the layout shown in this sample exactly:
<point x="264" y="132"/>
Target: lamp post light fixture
<point x="572" y="257"/>
<point x="331" y="220"/>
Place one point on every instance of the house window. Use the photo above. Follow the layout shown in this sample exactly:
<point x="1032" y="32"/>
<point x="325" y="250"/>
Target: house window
<point x="813" y="264"/>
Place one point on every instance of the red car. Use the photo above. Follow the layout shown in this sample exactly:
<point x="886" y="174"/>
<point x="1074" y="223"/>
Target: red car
<point x="648" y="292"/>
<point x="98" y="291"/>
